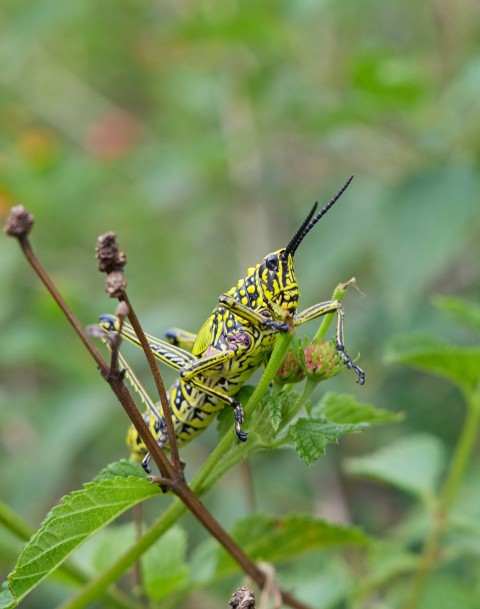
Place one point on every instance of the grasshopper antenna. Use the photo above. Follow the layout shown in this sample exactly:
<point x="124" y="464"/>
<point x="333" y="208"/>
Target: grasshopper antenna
<point x="311" y="220"/>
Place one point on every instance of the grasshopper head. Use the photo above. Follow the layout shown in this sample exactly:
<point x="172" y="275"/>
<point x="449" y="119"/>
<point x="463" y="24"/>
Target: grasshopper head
<point x="276" y="274"/>
<point x="278" y="282"/>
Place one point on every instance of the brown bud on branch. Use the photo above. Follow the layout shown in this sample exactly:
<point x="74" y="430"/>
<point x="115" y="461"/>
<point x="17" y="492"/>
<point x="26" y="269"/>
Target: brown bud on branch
<point x="19" y="222"/>
<point x="111" y="260"/>
<point x="243" y="598"/>
<point x="108" y="254"/>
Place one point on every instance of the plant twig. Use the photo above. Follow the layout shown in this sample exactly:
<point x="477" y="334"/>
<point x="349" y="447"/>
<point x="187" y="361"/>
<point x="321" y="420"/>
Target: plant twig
<point x="162" y="393"/>
<point x="114" y="266"/>
<point x="112" y="261"/>
<point x="19" y="225"/>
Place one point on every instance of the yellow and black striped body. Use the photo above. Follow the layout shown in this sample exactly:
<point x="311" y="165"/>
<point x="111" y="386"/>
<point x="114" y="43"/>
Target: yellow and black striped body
<point x="235" y="340"/>
<point x="224" y="333"/>
<point x="192" y="409"/>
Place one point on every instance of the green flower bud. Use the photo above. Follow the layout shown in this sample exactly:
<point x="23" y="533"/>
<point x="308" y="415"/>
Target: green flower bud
<point x="322" y="360"/>
<point x="290" y="370"/>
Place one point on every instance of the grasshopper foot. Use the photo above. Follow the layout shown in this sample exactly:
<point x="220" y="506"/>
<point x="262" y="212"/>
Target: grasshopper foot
<point x="146" y="464"/>
<point x="238" y="415"/>
<point x="349" y="363"/>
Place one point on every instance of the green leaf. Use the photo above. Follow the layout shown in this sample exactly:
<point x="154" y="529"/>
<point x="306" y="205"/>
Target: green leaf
<point x="203" y="563"/>
<point x="386" y="560"/>
<point x="101" y="550"/>
<point x="344" y="408"/>
<point x="275" y="410"/>
<point x="413" y="464"/>
<point x="71" y="523"/>
<point x="464" y="536"/>
<point x="466" y="313"/>
<point x="312" y="436"/>
<point x="280" y="408"/>
<point x="284" y="538"/>
<point x="323" y="574"/>
<point x="121" y="469"/>
<point x="458" y="364"/>
<point x="446" y="591"/>
<point x="164" y="569"/>
<point x="6" y="599"/>
<point x="464" y="533"/>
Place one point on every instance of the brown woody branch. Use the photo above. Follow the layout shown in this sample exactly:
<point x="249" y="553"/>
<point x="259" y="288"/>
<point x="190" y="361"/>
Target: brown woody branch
<point x="111" y="261"/>
<point x="19" y="225"/>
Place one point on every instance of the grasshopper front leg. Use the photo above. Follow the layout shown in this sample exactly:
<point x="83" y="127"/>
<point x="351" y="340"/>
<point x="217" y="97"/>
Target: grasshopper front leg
<point x="252" y="316"/>
<point x="324" y="308"/>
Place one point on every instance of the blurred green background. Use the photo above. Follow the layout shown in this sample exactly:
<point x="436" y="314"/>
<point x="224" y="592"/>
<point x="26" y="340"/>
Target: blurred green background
<point x="201" y="133"/>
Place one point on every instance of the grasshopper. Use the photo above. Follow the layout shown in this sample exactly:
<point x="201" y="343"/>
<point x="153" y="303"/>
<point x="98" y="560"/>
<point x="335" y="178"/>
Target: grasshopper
<point x="235" y="340"/>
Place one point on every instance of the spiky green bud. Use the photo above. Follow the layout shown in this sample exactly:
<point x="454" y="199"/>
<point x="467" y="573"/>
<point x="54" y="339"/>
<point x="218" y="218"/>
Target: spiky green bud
<point x="322" y="360"/>
<point x="291" y="370"/>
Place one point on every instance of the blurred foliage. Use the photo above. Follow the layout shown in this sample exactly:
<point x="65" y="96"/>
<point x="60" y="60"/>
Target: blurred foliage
<point x="201" y="132"/>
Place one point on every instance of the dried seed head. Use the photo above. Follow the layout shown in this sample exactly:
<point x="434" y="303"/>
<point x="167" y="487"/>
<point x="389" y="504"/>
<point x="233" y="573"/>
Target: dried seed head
<point x="243" y="598"/>
<point x="111" y="260"/>
<point x="108" y="254"/>
<point x="19" y="222"/>
<point x="122" y="309"/>
<point x="115" y="284"/>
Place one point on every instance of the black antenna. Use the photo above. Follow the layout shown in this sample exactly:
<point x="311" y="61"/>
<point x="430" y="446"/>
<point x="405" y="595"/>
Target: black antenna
<point x="311" y="220"/>
<point x="292" y="245"/>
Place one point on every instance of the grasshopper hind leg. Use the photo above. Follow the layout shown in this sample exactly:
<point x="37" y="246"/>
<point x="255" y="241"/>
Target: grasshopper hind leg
<point x="181" y="338"/>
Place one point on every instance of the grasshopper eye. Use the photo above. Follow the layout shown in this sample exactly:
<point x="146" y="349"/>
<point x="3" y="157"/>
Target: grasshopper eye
<point x="272" y="262"/>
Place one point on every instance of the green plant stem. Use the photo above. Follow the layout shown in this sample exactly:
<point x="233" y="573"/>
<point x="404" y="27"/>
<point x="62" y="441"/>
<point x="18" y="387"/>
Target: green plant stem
<point x="309" y="388"/>
<point x="456" y="471"/>
<point x="338" y="294"/>
<point x="463" y="451"/>
<point x="228" y="451"/>
<point x="13" y="523"/>
<point x="311" y="383"/>
<point x="172" y="478"/>
<point x="94" y="588"/>
<point x="202" y="483"/>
